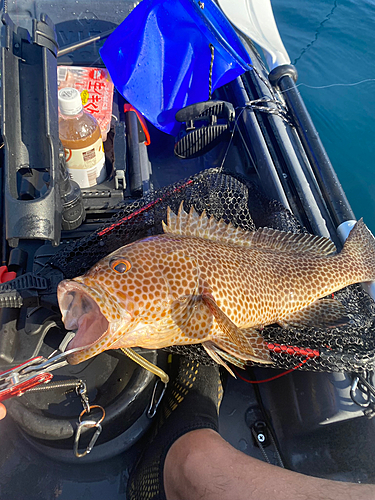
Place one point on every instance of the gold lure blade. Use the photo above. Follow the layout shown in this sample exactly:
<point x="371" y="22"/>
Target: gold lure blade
<point x="137" y="358"/>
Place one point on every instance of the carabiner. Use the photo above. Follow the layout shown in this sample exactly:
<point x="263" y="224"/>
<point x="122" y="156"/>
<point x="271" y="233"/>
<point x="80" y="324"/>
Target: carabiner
<point x="353" y="394"/>
<point x="156" y="400"/>
<point x="368" y="390"/>
<point x="88" y="424"/>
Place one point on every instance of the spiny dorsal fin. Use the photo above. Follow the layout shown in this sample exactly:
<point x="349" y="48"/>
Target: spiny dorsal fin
<point x="201" y="226"/>
<point x="282" y="241"/>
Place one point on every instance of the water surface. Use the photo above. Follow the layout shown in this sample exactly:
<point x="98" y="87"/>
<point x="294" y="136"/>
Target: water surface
<point x="333" y="42"/>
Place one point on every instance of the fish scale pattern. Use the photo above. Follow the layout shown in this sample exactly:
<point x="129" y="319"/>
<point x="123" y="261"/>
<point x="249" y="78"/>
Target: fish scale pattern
<point x="350" y="347"/>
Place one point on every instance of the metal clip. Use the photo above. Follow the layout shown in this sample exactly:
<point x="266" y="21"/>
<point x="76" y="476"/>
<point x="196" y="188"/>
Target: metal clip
<point x="156" y="400"/>
<point x="88" y="424"/>
<point x="82" y="392"/>
<point x="16" y="381"/>
<point x="30" y="373"/>
<point x="360" y="384"/>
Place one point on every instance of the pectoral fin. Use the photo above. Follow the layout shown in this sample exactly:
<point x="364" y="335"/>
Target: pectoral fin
<point x="187" y="310"/>
<point x="324" y="313"/>
<point x="193" y="318"/>
<point x="221" y="356"/>
<point x="247" y="344"/>
<point x="215" y="354"/>
<point x="225" y="324"/>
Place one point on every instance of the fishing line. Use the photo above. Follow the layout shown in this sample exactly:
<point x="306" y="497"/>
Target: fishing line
<point x="271" y="378"/>
<point x="270" y="88"/>
<point x="332" y="85"/>
<point x="231" y="138"/>
<point x="317" y="33"/>
<point x="254" y="105"/>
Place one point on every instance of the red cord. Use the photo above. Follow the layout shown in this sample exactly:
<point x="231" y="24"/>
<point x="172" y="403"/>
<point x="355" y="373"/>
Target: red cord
<point x="142" y="121"/>
<point x="113" y="226"/>
<point x="292" y="350"/>
<point x="271" y="378"/>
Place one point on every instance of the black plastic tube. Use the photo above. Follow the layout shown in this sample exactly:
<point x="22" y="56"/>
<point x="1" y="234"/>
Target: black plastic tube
<point x="3" y="241"/>
<point x="290" y="153"/>
<point x="133" y="154"/>
<point x="255" y="140"/>
<point x="329" y="184"/>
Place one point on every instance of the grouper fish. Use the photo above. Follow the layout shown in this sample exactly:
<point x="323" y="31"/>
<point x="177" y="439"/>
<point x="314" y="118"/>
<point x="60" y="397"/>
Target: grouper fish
<point x="206" y="282"/>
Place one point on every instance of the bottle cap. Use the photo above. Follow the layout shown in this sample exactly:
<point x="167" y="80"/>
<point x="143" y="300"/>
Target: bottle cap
<point x="70" y="102"/>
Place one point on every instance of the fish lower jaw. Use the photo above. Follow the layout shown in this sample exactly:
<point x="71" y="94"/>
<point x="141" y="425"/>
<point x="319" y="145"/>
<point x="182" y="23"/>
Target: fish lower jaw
<point x="85" y="350"/>
<point x="76" y="341"/>
<point x="83" y="353"/>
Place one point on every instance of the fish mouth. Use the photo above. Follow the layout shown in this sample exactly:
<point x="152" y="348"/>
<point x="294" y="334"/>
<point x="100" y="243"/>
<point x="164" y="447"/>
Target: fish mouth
<point x="82" y="314"/>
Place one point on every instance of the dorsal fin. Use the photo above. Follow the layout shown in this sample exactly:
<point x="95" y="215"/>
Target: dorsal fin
<point x="282" y="241"/>
<point x="201" y="226"/>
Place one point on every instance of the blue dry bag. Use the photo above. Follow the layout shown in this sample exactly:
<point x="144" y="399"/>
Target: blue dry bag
<point x="159" y="57"/>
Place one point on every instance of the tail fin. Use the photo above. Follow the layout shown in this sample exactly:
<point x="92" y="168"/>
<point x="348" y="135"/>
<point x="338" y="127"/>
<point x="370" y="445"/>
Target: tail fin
<point x="359" y="249"/>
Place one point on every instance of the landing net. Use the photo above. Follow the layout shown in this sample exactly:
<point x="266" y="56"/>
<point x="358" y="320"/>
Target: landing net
<point x="345" y="348"/>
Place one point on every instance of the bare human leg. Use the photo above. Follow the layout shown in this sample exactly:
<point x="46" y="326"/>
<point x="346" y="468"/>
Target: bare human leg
<point x="3" y="411"/>
<point x="202" y="465"/>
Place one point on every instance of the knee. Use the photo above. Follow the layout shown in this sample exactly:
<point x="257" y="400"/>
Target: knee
<point x="190" y="462"/>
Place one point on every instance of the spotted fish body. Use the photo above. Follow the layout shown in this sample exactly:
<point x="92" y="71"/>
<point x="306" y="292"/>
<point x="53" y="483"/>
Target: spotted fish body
<point x="207" y="282"/>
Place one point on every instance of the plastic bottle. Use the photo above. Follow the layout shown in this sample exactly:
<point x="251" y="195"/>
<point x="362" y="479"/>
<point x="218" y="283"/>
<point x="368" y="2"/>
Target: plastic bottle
<point x="81" y="137"/>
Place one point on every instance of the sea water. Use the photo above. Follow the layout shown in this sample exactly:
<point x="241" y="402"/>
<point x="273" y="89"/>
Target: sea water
<point x="332" y="45"/>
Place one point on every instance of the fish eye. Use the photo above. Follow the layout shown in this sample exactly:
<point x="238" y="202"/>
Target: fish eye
<point x="121" y="266"/>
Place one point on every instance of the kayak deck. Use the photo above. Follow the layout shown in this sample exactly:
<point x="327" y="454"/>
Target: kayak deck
<point x="306" y="418"/>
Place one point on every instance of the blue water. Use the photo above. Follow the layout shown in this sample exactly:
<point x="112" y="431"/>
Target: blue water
<point x="333" y="42"/>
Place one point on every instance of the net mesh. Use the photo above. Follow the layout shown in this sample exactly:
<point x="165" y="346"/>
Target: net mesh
<point x="350" y="347"/>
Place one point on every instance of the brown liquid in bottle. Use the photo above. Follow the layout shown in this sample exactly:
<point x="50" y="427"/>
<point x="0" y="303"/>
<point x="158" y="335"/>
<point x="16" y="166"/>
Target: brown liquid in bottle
<point x="82" y="140"/>
<point x="78" y="131"/>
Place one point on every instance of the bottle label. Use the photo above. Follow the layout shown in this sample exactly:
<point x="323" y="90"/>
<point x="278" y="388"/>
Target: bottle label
<point x="86" y="166"/>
